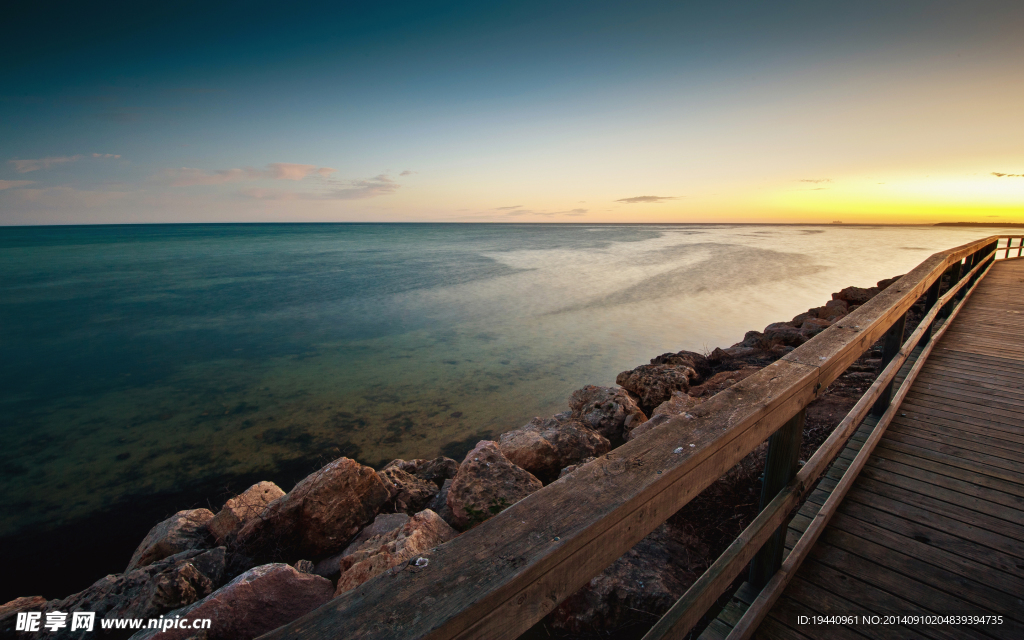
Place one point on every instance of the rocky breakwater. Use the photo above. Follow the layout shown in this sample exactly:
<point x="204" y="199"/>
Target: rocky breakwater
<point x="268" y="557"/>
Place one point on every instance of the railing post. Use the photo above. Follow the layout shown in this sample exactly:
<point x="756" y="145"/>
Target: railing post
<point x="929" y="302"/>
<point x="891" y="346"/>
<point x="779" y="469"/>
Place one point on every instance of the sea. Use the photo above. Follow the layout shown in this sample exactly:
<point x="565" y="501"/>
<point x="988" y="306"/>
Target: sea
<point x="153" y="368"/>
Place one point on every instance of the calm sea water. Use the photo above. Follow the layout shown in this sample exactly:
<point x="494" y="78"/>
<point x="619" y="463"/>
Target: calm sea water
<point x="184" y="360"/>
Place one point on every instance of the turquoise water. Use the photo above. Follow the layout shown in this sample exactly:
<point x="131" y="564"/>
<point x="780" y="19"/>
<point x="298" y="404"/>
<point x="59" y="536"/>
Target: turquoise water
<point x="187" y="359"/>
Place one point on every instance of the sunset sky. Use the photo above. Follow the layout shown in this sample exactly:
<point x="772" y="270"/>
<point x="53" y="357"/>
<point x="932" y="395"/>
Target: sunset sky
<point x="905" y="112"/>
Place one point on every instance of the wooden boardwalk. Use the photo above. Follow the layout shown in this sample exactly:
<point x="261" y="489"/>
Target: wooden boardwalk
<point x="935" y="521"/>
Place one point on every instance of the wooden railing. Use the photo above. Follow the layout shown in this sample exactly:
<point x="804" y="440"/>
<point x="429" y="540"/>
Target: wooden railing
<point x="501" y="577"/>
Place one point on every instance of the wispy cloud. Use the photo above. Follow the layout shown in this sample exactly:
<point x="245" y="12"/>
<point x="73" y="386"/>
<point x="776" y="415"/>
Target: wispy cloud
<point x="26" y="166"/>
<point x="381" y="185"/>
<point x="816" y="180"/>
<point x="512" y="208"/>
<point x="516" y="212"/>
<point x="406" y="173"/>
<point x="1008" y="175"/>
<point x="187" y="177"/>
<point x="648" y="199"/>
<point x="10" y="184"/>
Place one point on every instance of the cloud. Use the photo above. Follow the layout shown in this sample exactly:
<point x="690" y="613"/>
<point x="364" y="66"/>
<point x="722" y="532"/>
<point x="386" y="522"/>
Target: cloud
<point x="512" y="208"/>
<point x="406" y="173"/>
<point x="548" y="214"/>
<point x="25" y="166"/>
<point x="816" y="180"/>
<point x="11" y="184"/>
<point x="187" y="177"/>
<point x="1008" y="175"/>
<point x="651" y="199"/>
<point x="381" y="185"/>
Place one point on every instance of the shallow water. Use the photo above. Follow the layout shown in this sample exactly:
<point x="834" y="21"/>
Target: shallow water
<point x="155" y="360"/>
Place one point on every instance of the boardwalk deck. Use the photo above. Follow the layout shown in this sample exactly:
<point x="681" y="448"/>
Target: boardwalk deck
<point x="935" y="521"/>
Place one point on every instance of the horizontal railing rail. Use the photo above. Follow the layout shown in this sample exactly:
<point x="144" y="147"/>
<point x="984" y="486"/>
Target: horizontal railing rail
<point x="501" y="577"/>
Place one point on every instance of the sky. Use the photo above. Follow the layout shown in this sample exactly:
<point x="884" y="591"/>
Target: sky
<point x="551" y="111"/>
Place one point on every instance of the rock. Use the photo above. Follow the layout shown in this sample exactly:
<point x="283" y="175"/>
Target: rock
<point x="607" y="410"/>
<point x="260" y="600"/>
<point x="856" y="295"/>
<point x="885" y="284"/>
<point x="752" y="339"/>
<point x="439" y="504"/>
<point x="654" y="383"/>
<point x="384" y="522"/>
<point x="318" y="516"/>
<point x="183" y="531"/>
<point x="814" y="326"/>
<point x="544" y="446"/>
<point x="407" y="493"/>
<point x="695" y="361"/>
<point x="784" y="333"/>
<point x="150" y="591"/>
<point x="740" y="352"/>
<point x="677" y="405"/>
<point x="644" y="582"/>
<point x="304" y="566"/>
<point x="9" y="613"/>
<point x="573" y="467"/>
<point x="423" y="531"/>
<point x="437" y="470"/>
<point x="487" y="483"/>
<point x="242" y="508"/>
<point x="722" y="380"/>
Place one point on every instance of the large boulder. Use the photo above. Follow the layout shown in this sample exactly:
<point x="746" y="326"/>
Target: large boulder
<point x="150" y="591"/>
<point x="699" y="363"/>
<point x="856" y="295"/>
<point x="544" y="446"/>
<point x="610" y="411"/>
<point x="423" y="531"/>
<point x="654" y="383"/>
<point x="406" y="492"/>
<point x="722" y="380"/>
<point x="784" y="333"/>
<point x="487" y="483"/>
<point x="260" y="600"/>
<point x="679" y="404"/>
<point x="9" y="613"/>
<point x="814" y="326"/>
<point x="646" y="581"/>
<point x="318" y="516"/>
<point x="383" y="523"/>
<point x="437" y="470"/>
<point x="439" y="504"/>
<point x="183" y="531"/>
<point x="241" y="509"/>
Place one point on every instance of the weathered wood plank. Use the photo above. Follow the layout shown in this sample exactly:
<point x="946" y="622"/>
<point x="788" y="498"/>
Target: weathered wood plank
<point x="994" y="586"/>
<point x="952" y="483"/>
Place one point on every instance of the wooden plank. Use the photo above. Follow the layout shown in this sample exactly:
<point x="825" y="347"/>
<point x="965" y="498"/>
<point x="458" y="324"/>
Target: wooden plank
<point x="973" y="503"/>
<point x="866" y="597"/>
<point x="979" y="383"/>
<point x="934" y="534"/>
<point x="996" y="447"/>
<point x="952" y="483"/>
<point x="916" y="408"/>
<point x="985" y="475"/>
<point x="995" y="586"/>
<point x="1001" y="439"/>
<point x="965" y="408"/>
<point x="960" y="394"/>
<point x="967" y="531"/>
<point x="956" y="511"/>
<point x="1010" y="470"/>
<point x="924" y="597"/>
